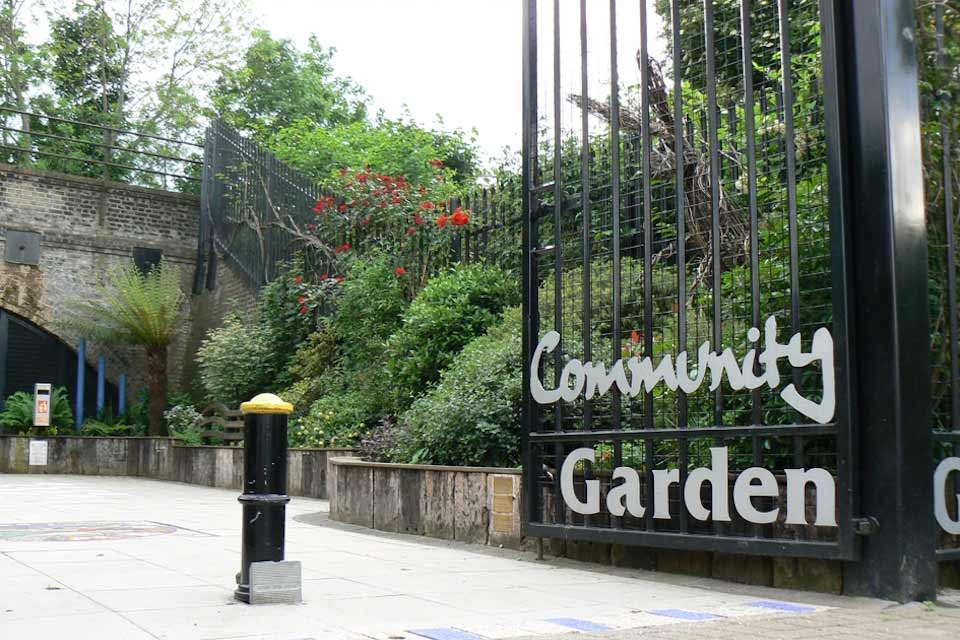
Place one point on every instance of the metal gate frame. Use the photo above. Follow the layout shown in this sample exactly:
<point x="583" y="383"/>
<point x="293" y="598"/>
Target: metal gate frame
<point x="846" y="155"/>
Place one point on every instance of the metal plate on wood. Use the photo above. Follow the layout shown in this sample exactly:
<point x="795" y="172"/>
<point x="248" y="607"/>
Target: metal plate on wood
<point x="22" y="247"/>
<point x="275" y="583"/>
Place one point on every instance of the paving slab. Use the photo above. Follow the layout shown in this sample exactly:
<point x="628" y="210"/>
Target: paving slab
<point x="127" y="558"/>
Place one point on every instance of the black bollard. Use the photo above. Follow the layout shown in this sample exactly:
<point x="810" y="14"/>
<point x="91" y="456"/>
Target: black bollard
<point x="264" y="496"/>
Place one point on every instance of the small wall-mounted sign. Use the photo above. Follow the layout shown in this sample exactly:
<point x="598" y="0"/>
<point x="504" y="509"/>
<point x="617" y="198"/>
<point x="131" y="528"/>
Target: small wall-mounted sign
<point x="41" y="404"/>
<point x="38" y="453"/>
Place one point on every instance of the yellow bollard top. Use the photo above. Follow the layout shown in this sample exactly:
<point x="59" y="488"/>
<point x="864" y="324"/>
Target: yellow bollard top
<point x="266" y="403"/>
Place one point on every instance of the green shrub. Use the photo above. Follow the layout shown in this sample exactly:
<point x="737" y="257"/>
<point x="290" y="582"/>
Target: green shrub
<point x="111" y="429"/>
<point x="369" y="310"/>
<point x="18" y="413"/>
<point x="472" y="417"/>
<point x="452" y="309"/>
<point x="334" y="421"/>
<point x="183" y="422"/>
<point x="282" y="325"/>
<point x="232" y="360"/>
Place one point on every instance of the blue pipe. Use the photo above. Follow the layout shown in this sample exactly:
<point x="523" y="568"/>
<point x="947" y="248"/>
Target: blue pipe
<point x="122" y="400"/>
<point x="101" y="383"/>
<point x="81" y="380"/>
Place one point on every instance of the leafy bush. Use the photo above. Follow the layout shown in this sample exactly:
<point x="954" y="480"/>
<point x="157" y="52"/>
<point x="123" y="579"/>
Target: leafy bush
<point x="18" y="414"/>
<point x="183" y="422"/>
<point x="282" y="325"/>
<point x="380" y="443"/>
<point x="232" y="361"/>
<point x="369" y="310"/>
<point x="454" y="308"/>
<point x="111" y="429"/>
<point x="334" y="421"/>
<point x="472" y="417"/>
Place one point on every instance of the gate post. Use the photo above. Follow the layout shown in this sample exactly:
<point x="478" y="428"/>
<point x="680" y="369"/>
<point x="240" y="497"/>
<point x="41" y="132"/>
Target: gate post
<point x="883" y="195"/>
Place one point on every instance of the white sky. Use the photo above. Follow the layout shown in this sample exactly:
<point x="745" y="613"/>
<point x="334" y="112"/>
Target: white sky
<point x="459" y="58"/>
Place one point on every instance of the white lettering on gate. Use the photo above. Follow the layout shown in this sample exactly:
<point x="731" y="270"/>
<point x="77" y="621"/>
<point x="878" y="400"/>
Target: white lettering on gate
<point x="940" y="477"/>
<point x="592" y="378"/>
<point x="753" y="482"/>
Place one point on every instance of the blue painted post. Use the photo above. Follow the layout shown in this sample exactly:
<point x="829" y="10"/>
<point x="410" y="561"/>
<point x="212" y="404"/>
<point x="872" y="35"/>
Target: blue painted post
<point x="81" y="380"/>
<point x="101" y="383"/>
<point x="122" y="400"/>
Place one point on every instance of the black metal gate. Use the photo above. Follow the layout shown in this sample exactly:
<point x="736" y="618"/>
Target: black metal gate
<point x="682" y="202"/>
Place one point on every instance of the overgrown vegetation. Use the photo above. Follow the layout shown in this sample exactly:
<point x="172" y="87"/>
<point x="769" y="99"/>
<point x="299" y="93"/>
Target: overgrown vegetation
<point x="17" y="416"/>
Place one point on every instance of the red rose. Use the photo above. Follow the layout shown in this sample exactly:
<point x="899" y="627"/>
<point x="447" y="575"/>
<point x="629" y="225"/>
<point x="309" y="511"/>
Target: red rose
<point x="339" y="279"/>
<point x="303" y="310"/>
<point x="346" y="246"/>
<point x="343" y="208"/>
<point x="460" y="217"/>
<point x="362" y="177"/>
<point x="396" y="200"/>
<point x="400" y="271"/>
<point x="442" y="221"/>
<point x="298" y="280"/>
<point x="319" y="207"/>
<point x="426" y="206"/>
<point x="417" y="220"/>
<point x="411" y="231"/>
<point x="301" y="299"/>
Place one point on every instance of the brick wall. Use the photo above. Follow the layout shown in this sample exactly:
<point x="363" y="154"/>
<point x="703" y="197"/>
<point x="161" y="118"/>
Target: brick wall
<point x="86" y="225"/>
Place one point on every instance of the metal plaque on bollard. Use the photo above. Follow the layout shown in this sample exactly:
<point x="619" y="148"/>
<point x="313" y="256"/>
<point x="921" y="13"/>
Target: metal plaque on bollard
<point x="275" y="583"/>
<point x="264" y="501"/>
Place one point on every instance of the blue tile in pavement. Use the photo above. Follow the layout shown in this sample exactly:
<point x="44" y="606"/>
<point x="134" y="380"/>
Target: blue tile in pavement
<point x="446" y="634"/>
<point x="781" y="606"/>
<point x="579" y="625"/>
<point x="682" y="614"/>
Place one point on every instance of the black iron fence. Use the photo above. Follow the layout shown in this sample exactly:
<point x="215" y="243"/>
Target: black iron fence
<point x="98" y="151"/>
<point x="261" y="214"/>
<point x="748" y="190"/>
<point x="696" y="216"/>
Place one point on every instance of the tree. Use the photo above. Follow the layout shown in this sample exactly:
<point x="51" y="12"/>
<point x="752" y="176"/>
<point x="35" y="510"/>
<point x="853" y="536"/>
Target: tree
<point x="395" y="147"/>
<point x="278" y="84"/>
<point x="17" y="67"/>
<point x="143" y="65"/>
<point x="132" y="307"/>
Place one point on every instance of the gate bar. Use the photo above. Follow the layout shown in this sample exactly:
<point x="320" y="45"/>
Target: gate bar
<point x="891" y="330"/>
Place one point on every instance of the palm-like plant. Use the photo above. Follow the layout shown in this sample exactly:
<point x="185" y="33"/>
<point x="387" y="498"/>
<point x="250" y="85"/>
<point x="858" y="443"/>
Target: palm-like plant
<point x="132" y="307"/>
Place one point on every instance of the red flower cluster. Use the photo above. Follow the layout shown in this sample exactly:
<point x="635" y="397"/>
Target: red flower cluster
<point x="436" y="163"/>
<point x="411" y="231"/>
<point x="303" y="310"/>
<point x="339" y="279"/>
<point x="460" y="217"/>
<point x="400" y="271"/>
<point x="426" y="206"/>
<point x="442" y="221"/>
<point x="298" y="280"/>
<point x="324" y="203"/>
<point x="344" y="247"/>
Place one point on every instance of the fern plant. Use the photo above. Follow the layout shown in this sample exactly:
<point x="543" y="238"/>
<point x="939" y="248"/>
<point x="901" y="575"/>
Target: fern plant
<point x="132" y="307"/>
<point x="18" y="414"/>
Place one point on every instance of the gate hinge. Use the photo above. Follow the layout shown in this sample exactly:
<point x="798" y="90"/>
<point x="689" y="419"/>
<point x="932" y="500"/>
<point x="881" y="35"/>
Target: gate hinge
<point x="866" y="526"/>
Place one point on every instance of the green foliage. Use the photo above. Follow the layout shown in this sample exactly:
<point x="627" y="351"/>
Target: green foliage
<point x="369" y="310"/>
<point x="103" y="429"/>
<point x="282" y="324"/>
<point x="454" y="308"/>
<point x="395" y="147"/>
<point x="278" y="83"/>
<point x="336" y="420"/>
<point x="472" y="417"/>
<point x="183" y="422"/>
<point x="231" y="361"/>
<point x="17" y="415"/>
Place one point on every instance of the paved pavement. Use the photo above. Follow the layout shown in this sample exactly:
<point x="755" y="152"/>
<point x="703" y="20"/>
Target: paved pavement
<point x="130" y="559"/>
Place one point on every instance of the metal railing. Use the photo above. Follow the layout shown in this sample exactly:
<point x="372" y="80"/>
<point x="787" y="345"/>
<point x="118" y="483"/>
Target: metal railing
<point x="251" y="202"/>
<point x="98" y="151"/>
